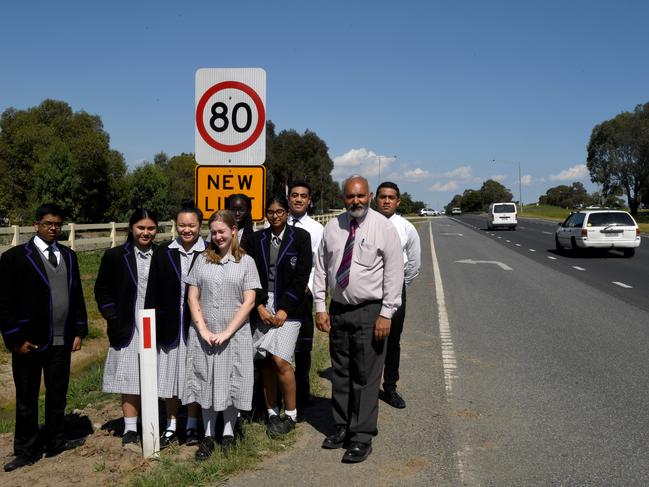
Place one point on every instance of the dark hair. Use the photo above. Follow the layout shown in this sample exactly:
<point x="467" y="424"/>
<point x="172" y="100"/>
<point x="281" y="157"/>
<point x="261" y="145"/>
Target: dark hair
<point x="299" y="183"/>
<point x="246" y="222"/>
<point x="48" y="209"/>
<point x="390" y="185"/>
<point x="278" y="198"/>
<point x="140" y="214"/>
<point x="187" y="206"/>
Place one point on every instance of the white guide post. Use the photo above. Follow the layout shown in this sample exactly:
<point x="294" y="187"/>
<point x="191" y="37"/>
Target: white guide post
<point x="149" y="383"/>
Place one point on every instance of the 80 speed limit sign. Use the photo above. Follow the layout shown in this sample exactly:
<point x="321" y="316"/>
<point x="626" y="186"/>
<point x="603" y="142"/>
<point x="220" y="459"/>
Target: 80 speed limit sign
<point x="231" y="116"/>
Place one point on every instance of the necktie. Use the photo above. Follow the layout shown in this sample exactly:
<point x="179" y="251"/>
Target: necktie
<point x="51" y="257"/>
<point x="342" y="276"/>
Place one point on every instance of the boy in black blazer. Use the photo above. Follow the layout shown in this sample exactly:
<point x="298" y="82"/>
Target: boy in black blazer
<point x="42" y="319"/>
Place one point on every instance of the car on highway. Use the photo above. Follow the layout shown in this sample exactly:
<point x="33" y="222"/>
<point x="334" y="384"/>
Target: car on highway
<point x="598" y="229"/>
<point x="502" y="215"/>
<point x="456" y="211"/>
<point x="428" y="212"/>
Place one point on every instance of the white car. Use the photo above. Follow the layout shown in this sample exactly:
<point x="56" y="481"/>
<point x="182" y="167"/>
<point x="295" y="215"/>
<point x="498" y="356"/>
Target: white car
<point x="456" y="211"/>
<point x="502" y="215"/>
<point x="598" y="229"/>
<point x="427" y="212"/>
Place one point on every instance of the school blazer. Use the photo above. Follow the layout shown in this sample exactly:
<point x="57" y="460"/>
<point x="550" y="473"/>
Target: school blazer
<point x="116" y="293"/>
<point x="292" y="270"/>
<point x="25" y="298"/>
<point x="163" y="294"/>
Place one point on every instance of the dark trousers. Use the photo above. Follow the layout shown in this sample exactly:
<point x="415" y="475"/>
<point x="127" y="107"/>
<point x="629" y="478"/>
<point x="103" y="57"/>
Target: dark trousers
<point x="303" y="351"/>
<point x="393" y="348"/>
<point x="357" y="362"/>
<point x="54" y="363"/>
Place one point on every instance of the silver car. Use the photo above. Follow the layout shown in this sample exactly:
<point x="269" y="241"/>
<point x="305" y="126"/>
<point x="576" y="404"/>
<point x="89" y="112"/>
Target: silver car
<point x="598" y="229"/>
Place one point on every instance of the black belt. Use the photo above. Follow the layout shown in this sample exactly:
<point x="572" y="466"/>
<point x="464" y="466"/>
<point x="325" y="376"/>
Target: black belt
<point x="351" y="307"/>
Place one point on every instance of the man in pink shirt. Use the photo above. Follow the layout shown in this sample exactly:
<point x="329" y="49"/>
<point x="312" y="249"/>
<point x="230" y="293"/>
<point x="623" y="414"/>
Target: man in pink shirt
<point x="360" y="261"/>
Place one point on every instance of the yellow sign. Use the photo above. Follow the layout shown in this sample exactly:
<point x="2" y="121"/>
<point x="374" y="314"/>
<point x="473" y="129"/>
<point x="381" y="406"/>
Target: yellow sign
<point x="214" y="183"/>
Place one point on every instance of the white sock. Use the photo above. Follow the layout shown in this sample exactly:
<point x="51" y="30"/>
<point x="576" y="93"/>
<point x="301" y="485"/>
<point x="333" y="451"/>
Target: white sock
<point x="171" y="424"/>
<point x="192" y="423"/>
<point x="229" y="417"/>
<point x="273" y="412"/>
<point x="130" y="424"/>
<point x="209" y="421"/>
<point x="292" y="413"/>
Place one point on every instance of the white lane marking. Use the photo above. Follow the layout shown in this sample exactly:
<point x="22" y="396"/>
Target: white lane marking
<point x="532" y="250"/>
<point x="621" y="284"/>
<point x="551" y="258"/>
<point x="517" y="245"/>
<point x="452" y="234"/>
<point x="504" y="267"/>
<point x="449" y="361"/>
<point x="578" y="268"/>
<point x="508" y="241"/>
<point x="500" y="237"/>
<point x="547" y="233"/>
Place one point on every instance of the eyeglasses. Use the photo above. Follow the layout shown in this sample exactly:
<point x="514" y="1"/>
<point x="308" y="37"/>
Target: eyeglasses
<point x="51" y="224"/>
<point x="278" y="213"/>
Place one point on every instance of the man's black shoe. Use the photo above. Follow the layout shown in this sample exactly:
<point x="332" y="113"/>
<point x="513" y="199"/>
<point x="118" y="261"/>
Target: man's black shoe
<point x="357" y="452"/>
<point x="337" y="440"/>
<point x="392" y="398"/>
<point x="65" y="446"/>
<point x="130" y="437"/>
<point x="17" y="463"/>
<point x="238" y="429"/>
<point x="191" y="437"/>
<point x="205" y="449"/>
<point x="168" y="438"/>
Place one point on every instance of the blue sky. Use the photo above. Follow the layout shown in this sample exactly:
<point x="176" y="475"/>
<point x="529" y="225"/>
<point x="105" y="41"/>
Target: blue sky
<point x="445" y="86"/>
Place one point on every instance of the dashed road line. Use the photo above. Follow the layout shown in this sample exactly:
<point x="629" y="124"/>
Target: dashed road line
<point x="517" y="245"/>
<point x="548" y="233"/>
<point x="551" y="258"/>
<point x="532" y="250"/>
<point x="621" y="284"/>
<point x="578" y="268"/>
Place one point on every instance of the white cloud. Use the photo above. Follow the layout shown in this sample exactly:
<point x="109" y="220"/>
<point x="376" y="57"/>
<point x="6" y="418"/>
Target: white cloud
<point x="526" y="179"/>
<point x="498" y="177"/>
<point x="448" y="186"/>
<point x="415" y="174"/>
<point x="462" y="172"/>
<point x="575" y="173"/>
<point x="360" y="161"/>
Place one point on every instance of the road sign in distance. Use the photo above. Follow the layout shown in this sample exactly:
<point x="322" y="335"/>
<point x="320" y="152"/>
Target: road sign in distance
<point x="214" y="183"/>
<point x="230" y="116"/>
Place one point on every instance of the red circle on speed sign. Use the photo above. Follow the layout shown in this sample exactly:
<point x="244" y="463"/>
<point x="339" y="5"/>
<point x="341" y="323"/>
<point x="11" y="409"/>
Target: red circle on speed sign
<point x="261" y="116"/>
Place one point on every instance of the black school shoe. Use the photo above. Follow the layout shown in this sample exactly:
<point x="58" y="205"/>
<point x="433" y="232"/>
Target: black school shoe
<point x="357" y="452"/>
<point x="130" y="437"/>
<point x="168" y="438"/>
<point x="19" y="462"/>
<point x="205" y="449"/>
<point x="191" y="437"/>
<point x="392" y="398"/>
<point x="336" y="440"/>
<point x="278" y="427"/>
<point x="65" y="446"/>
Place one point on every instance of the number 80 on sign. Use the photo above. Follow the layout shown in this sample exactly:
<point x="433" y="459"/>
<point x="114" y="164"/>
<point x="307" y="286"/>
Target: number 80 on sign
<point x="230" y="116"/>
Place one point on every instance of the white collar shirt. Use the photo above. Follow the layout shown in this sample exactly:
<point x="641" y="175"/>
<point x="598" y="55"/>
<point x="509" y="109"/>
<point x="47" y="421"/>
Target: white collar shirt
<point x="42" y="245"/>
<point x="411" y="247"/>
<point x="315" y="229"/>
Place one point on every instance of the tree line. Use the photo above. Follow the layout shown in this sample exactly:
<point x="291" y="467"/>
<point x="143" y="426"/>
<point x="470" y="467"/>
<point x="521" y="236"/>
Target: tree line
<point x="618" y="160"/>
<point x="52" y="153"/>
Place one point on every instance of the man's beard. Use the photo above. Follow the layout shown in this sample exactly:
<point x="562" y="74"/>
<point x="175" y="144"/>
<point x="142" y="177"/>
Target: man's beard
<point x="357" y="210"/>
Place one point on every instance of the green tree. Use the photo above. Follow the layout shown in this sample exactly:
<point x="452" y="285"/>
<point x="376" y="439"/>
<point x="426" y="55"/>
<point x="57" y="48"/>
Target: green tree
<point x="66" y="148"/>
<point x="471" y="200"/>
<point x="618" y="153"/>
<point x="494" y="192"/>
<point x="148" y="188"/>
<point x="456" y="202"/>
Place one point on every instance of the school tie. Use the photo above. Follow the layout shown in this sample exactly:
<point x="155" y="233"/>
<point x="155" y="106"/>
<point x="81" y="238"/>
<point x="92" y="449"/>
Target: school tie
<point x="342" y="276"/>
<point x="51" y="257"/>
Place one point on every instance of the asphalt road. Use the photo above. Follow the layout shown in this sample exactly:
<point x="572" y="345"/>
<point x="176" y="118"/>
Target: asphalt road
<point x="545" y="370"/>
<point x="517" y="370"/>
<point x="626" y="278"/>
